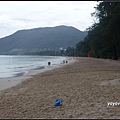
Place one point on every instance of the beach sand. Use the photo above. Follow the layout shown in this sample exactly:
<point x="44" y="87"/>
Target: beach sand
<point x="84" y="86"/>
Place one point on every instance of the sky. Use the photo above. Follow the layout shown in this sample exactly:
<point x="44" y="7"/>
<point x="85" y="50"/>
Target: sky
<point x="19" y="15"/>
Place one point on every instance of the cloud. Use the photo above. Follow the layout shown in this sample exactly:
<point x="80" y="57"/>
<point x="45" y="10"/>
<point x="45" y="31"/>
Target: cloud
<point x="17" y="15"/>
<point x="23" y="19"/>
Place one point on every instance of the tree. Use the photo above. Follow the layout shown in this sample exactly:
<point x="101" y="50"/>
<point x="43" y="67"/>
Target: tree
<point x="107" y="29"/>
<point x="103" y="39"/>
<point x="82" y="47"/>
<point x="70" y="51"/>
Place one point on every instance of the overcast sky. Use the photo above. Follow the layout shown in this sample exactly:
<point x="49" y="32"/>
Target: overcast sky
<point x="19" y="15"/>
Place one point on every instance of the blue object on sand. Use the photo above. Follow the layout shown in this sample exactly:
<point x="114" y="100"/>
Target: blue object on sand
<point x="58" y="102"/>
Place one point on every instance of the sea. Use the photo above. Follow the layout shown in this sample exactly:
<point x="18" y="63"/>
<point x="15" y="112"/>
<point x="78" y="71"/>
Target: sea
<point x="18" y="65"/>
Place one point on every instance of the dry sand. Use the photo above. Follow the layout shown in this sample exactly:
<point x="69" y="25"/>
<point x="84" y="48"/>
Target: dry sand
<point x="85" y="88"/>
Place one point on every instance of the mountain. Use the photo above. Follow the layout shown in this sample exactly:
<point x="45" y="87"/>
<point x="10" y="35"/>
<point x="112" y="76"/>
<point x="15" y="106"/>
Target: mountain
<point x="40" y="39"/>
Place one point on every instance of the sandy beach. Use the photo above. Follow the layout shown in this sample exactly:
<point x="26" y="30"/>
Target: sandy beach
<point x="88" y="88"/>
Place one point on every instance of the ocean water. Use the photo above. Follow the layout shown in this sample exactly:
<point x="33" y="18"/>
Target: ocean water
<point x="18" y="65"/>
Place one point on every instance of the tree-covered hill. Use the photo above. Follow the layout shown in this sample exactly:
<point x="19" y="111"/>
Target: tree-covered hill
<point x="41" y="39"/>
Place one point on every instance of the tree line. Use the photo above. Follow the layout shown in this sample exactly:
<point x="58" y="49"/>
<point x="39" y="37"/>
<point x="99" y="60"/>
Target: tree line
<point x="103" y="39"/>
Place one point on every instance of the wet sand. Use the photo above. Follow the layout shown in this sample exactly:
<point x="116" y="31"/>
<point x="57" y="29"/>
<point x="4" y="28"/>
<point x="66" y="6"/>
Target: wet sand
<point x="85" y="88"/>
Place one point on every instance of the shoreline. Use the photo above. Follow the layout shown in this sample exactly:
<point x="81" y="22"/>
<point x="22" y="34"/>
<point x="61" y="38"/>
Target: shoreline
<point x="78" y="85"/>
<point x="9" y="82"/>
